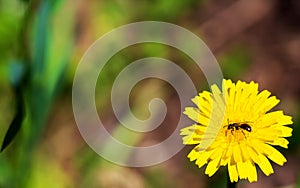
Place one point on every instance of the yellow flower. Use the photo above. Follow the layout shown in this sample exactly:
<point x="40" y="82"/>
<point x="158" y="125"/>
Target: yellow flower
<point x="234" y="127"/>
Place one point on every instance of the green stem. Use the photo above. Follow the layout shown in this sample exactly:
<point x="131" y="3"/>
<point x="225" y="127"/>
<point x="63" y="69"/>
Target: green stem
<point x="229" y="183"/>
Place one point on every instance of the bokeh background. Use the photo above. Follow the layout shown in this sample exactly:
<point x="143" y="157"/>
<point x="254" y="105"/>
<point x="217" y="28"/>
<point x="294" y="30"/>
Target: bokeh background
<point x="42" y="41"/>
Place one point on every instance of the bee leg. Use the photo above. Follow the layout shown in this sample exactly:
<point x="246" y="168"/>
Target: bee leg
<point x="244" y="134"/>
<point x="232" y="131"/>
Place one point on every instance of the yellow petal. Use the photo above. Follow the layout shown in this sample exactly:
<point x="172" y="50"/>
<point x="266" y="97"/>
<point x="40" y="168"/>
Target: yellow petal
<point x="265" y="165"/>
<point x="261" y="98"/>
<point x="192" y="113"/>
<point x="285" y="120"/>
<point x="268" y="104"/>
<point x="196" y="115"/>
<point x="237" y="155"/>
<point x="242" y="170"/>
<point x="213" y="166"/>
<point x="233" y="173"/>
<point x="244" y="153"/>
<point x="252" y="173"/>
<point x="203" y="158"/>
<point x="227" y="156"/>
<point x="203" y="102"/>
<point x="252" y="153"/>
<point x="279" y="142"/>
<point x="274" y="155"/>
<point x="238" y="92"/>
<point x="195" y="134"/>
<point x="273" y="118"/>
<point x="193" y="155"/>
<point x="285" y="131"/>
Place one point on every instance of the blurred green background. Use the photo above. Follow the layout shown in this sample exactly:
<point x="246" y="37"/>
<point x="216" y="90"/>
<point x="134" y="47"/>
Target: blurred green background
<point x="42" y="41"/>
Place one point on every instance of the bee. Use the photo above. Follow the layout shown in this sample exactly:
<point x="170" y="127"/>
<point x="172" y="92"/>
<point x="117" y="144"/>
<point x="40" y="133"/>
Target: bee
<point x="238" y="126"/>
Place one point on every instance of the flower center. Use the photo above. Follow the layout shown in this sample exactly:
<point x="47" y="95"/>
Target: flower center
<point x="236" y="132"/>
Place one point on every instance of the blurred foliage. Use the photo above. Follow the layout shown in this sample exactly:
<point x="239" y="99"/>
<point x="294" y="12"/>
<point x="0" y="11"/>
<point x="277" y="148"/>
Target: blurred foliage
<point x="156" y="177"/>
<point x="235" y="62"/>
<point x="45" y="66"/>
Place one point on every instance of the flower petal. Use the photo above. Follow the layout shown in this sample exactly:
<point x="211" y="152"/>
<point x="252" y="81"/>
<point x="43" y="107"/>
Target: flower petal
<point x="268" y="105"/>
<point x="213" y="165"/>
<point x="274" y="155"/>
<point x="251" y="174"/>
<point x="192" y="113"/>
<point x="203" y="158"/>
<point x="279" y="142"/>
<point x="265" y="165"/>
<point x="232" y="170"/>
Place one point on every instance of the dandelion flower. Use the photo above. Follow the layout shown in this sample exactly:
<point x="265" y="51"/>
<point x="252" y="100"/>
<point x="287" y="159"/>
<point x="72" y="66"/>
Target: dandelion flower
<point x="235" y="128"/>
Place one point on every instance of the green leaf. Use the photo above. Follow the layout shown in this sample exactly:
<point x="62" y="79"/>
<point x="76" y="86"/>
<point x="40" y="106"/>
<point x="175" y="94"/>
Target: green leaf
<point x="16" y="123"/>
<point x="17" y="78"/>
<point x="42" y="24"/>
